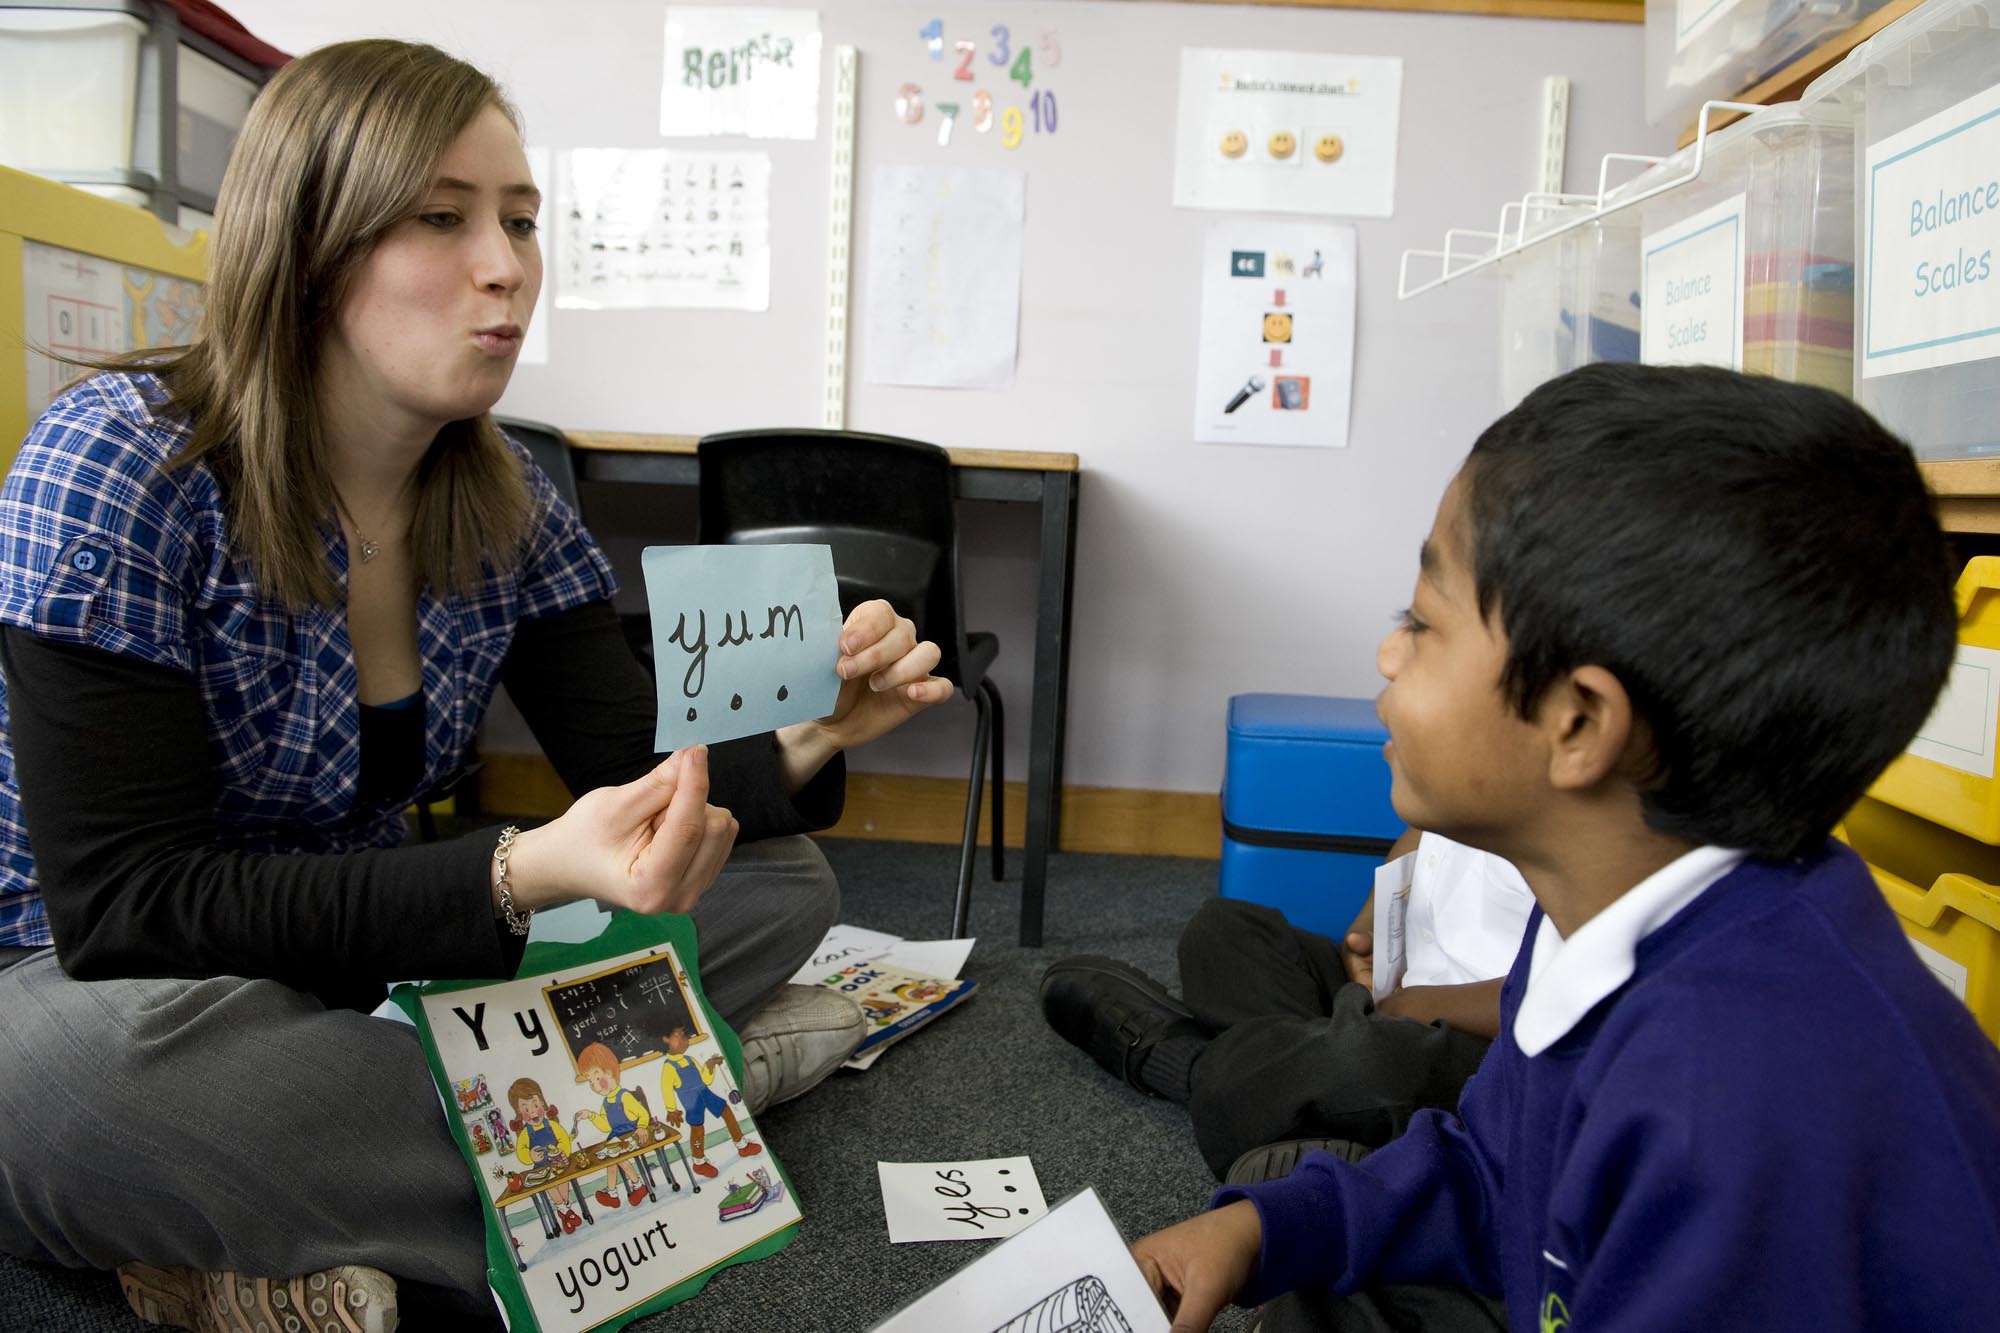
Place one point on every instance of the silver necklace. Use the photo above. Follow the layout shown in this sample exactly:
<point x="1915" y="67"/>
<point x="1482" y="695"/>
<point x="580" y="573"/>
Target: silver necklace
<point x="368" y="550"/>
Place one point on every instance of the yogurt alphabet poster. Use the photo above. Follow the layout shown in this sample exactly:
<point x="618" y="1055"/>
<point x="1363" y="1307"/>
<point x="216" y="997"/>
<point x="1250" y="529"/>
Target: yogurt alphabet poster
<point x="1277" y="335"/>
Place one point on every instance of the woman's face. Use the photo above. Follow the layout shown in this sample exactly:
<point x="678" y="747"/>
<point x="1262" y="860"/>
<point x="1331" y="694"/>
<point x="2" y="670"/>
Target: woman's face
<point x="433" y="318"/>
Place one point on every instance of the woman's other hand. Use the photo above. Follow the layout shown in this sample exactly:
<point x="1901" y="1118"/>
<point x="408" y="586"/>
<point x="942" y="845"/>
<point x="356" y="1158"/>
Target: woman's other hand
<point x="652" y="846"/>
<point x="885" y="676"/>
<point x="885" y="680"/>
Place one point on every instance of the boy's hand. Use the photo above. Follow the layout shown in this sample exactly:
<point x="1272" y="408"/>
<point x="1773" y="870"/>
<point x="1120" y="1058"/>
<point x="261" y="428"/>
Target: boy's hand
<point x="1198" y="1266"/>
<point x="713" y="1061"/>
<point x="1357" y="955"/>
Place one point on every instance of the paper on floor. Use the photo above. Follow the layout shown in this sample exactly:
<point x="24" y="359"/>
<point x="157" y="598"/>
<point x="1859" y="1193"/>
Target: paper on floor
<point x="1069" y="1270"/>
<point x="982" y="1200"/>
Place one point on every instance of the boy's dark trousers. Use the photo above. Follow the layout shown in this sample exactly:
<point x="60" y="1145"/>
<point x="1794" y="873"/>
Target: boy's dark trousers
<point x="1298" y="1050"/>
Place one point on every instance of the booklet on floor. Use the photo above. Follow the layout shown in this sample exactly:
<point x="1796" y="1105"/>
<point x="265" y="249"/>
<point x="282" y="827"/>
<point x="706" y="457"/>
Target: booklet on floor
<point x="895" y="1001"/>
<point x="597" y="1099"/>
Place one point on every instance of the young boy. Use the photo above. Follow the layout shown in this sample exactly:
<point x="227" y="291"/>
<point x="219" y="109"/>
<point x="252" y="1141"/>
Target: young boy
<point x="622" y="1114"/>
<point x="1277" y="1035"/>
<point x="1669" y="625"/>
<point x="686" y="1080"/>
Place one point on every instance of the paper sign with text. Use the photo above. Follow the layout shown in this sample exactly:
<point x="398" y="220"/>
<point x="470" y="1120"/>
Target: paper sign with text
<point x="741" y="71"/>
<point x="744" y="639"/>
<point x="1071" y="1271"/>
<point x="1932" y="207"/>
<point x="982" y="1200"/>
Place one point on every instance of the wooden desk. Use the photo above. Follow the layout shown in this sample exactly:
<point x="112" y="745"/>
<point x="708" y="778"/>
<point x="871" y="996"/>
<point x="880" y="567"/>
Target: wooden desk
<point x="1045" y="480"/>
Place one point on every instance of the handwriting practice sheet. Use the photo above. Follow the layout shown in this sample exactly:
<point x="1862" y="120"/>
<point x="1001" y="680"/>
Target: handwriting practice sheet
<point x="981" y="1200"/>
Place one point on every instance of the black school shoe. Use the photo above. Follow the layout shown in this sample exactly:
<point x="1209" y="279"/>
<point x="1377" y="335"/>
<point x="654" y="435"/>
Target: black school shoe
<point x="1126" y="1021"/>
<point x="1274" y="1161"/>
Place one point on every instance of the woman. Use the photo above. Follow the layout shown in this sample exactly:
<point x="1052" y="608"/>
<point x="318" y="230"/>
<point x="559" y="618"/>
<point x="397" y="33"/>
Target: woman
<point x="254" y="598"/>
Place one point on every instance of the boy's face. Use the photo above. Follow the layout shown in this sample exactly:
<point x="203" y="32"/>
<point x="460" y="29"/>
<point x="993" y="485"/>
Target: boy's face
<point x="601" y="1080"/>
<point x="677" y="1041"/>
<point x="1462" y="762"/>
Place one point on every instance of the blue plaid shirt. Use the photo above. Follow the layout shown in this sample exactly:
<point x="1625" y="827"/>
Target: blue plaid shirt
<point x="102" y="545"/>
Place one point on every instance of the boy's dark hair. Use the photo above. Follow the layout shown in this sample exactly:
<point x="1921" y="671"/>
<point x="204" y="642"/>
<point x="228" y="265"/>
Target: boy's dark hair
<point x="1757" y="562"/>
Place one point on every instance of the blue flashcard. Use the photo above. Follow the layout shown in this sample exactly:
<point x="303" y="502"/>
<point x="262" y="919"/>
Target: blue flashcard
<point x="744" y="639"/>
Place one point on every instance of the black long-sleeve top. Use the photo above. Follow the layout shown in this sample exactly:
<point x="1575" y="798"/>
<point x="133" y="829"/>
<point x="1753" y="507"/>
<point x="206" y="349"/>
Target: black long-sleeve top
<point x="118" y="793"/>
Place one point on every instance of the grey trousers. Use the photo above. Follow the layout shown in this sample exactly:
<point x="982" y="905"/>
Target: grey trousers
<point x="233" y="1124"/>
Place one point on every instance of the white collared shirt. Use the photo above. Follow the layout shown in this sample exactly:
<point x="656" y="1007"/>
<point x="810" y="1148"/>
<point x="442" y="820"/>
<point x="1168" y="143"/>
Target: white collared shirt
<point x="1568" y="977"/>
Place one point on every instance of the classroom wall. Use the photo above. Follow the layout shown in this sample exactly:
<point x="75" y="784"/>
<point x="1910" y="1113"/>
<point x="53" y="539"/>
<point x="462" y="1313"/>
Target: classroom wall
<point x="1202" y="570"/>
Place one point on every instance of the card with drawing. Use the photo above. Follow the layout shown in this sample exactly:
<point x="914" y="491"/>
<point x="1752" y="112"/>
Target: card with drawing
<point x="617" y="1161"/>
<point x="981" y="1200"/>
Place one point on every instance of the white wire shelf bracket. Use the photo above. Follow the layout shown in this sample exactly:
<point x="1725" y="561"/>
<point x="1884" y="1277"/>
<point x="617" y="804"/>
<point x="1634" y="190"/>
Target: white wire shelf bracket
<point x="1566" y="212"/>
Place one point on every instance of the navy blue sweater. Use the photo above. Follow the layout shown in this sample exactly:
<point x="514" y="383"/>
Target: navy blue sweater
<point x="1782" y="1121"/>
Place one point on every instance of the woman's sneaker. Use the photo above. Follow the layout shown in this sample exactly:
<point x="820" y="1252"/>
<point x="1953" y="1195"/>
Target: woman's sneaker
<point x="345" y="1299"/>
<point x="799" y="1037"/>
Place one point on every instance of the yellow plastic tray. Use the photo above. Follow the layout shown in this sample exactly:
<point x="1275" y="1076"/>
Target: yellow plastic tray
<point x="1965" y="801"/>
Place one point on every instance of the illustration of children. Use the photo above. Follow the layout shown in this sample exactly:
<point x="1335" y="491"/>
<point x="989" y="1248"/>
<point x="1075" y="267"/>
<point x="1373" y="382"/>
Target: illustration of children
<point x="686" y="1080"/>
<point x="542" y="1140"/>
<point x="622" y="1114"/>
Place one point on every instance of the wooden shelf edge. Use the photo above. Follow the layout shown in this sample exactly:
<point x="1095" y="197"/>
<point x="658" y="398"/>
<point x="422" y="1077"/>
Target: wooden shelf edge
<point x="1786" y="84"/>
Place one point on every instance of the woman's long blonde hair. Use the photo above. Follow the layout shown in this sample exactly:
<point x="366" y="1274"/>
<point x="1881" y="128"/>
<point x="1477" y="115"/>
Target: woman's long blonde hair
<point x="341" y="146"/>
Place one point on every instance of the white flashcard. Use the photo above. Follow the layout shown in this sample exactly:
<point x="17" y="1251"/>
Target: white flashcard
<point x="1392" y="909"/>
<point x="1071" y="1270"/>
<point x="934" y="958"/>
<point x="982" y="1200"/>
<point x="845" y="944"/>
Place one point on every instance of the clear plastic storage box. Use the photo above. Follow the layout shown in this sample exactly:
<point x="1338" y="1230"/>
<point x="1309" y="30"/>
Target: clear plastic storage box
<point x="1567" y="300"/>
<point x="1704" y="50"/>
<point x="1765" y="230"/>
<point x="1923" y="94"/>
<point x="69" y="80"/>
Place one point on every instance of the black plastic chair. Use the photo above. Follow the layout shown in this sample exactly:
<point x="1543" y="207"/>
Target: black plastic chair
<point x="885" y="507"/>
<point x="550" y="448"/>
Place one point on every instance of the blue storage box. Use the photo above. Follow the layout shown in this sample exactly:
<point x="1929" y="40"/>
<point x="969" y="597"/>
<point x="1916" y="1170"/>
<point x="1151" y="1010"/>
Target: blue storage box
<point x="1305" y="806"/>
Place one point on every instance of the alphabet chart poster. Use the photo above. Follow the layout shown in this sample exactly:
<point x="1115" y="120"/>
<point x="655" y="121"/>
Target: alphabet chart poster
<point x="944" y="276"/>
<point x="741" y="71"/>
<point x="745" y="639"/>
<point x="599" y="1110"/>
<point x="1277" y="335"/>
<point x="656" y="227"/>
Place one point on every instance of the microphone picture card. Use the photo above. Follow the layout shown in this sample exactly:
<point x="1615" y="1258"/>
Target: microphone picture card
<point x="745" y="639"/>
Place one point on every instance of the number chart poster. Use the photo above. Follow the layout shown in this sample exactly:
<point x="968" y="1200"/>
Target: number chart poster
<point x="944" y="276"/>
<point x="1277" y="335"/>
<point x="741" y="71"/>
<point x="1288" y="132"/>
<point x="985" y="84"/>
<point x="653" y="227"/>
<point x="85" y="306"/>
<point x="613" y="1151"/>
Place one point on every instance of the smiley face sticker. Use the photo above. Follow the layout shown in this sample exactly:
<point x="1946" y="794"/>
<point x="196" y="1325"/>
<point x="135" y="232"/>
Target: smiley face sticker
<point x="1234" y="144"/>
<point x="1277" y="327"/>
<point x="1281" y="145"/>
<point x="1328" y="148"/>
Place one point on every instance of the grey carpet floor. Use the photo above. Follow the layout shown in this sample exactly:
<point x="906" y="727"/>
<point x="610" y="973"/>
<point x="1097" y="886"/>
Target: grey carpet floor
<point x="986" y="1080"/>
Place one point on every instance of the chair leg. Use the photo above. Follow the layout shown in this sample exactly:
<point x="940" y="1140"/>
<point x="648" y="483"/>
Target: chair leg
<point x="992" y="693"/>
<point x="968" y="846"/>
